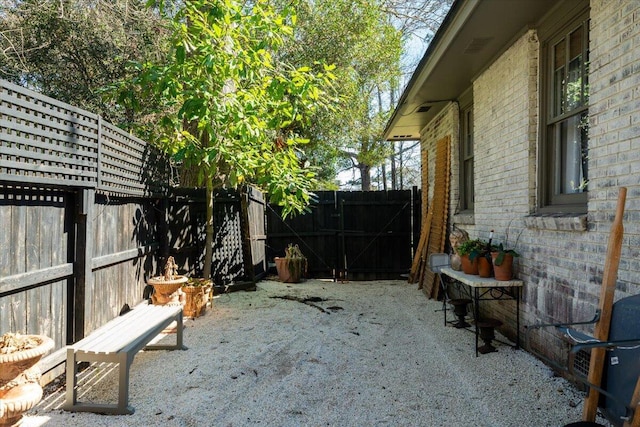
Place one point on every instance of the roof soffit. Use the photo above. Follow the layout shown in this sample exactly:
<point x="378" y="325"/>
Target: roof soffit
<point x="472" y="38"/>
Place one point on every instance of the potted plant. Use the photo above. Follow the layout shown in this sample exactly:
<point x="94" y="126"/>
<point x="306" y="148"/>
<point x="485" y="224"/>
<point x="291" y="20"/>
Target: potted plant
<point x="198" y="293"/>
<point x="20" y="374"/>
<point x="503" y="262"/>
<point x="483" y="255"/>
<point x="503" y="258"/>
<point x="293" y="266"/>
<point x="466" y="248"/>
<point x="166" y="287"/>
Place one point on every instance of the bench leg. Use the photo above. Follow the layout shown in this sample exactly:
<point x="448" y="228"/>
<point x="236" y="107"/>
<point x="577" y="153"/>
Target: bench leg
<point x="179" y="332"/>
<point x="121" y="408"/>
<point x="72" y="381"/>
<point x="179" y="345"/>
<point x="124" y="363"/>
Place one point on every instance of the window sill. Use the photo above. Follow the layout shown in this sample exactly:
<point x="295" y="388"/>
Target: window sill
<point x="465" y="218"/>
<point x="557" y="222"/>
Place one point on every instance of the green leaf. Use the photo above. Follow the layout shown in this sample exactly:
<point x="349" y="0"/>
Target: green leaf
<point x="180" y="54"/>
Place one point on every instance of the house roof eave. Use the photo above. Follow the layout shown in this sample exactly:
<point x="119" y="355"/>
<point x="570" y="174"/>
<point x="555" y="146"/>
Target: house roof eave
<point x="472" y="35"/>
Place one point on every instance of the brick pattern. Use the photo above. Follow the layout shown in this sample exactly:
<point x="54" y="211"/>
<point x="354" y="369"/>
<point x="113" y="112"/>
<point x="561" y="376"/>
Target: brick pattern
<point x="562" y="258"/>
<point x="614" y="134"/>
<point x="440" y="127"/>
<point x="505" y="131"/>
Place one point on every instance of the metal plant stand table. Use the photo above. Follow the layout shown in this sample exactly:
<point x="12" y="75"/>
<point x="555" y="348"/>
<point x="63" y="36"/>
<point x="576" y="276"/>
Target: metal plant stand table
<point x="488" y="289"/>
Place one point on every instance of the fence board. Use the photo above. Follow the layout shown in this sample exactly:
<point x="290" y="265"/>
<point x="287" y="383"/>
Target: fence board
<point x="40" y="152"/>
<point x="62" y="128"/>
<point x="42" y="104"/>
<point x="257" y="231"/>
<point x="32" y="278"/>
<point x="5" y="259"/>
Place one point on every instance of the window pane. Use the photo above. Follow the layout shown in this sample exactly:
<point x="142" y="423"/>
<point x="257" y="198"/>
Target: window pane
<point x="466" y="159"/>
<point x="469" y="136"/>
<point x="559" y="61"/>
<point x="572" y="152"/>
<point x="574" y="75"/>
<point x="468" y="184"/>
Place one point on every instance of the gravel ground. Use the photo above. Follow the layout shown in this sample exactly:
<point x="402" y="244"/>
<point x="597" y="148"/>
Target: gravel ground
<point x="357" y="354"/>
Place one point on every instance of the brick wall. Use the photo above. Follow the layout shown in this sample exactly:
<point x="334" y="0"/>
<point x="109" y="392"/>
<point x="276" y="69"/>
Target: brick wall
<point x="614" y="134"/>
<point x="562" y="258"/>
<point x="441" y="126"/>
<point x="505" y="136"/>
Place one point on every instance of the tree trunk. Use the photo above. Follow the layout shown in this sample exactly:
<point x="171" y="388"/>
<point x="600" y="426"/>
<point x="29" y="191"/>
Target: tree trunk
<point x="208" y="250"/>
<point x="365" y="177"/>
<point x="393" y="172"/>
<point x="384" y="176"/>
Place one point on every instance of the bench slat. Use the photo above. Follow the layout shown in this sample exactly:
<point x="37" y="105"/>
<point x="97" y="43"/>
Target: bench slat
<point x="138" y="322"/>
<point x="102" y="332"/>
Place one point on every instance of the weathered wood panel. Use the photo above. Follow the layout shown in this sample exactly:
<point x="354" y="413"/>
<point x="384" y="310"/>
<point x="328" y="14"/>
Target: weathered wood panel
<point x="33" y="266"/>
<point x="48" y="142"/>
<point x="130" y="166"/>
<point x="186" y="225"/>
<point x="124" y="255"/>
<point x="44" y="140"/>
<point x="257" y="231"/>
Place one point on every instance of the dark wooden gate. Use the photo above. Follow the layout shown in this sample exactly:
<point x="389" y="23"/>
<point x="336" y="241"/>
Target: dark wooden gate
<point x="364" y="235"/>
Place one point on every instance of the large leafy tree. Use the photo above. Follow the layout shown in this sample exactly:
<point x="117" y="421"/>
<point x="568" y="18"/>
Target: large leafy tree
<point x="70" y="49"/>
<point x="369" y="41"/>
<point x="359" y="39"/>
<point x="228" y="105"/>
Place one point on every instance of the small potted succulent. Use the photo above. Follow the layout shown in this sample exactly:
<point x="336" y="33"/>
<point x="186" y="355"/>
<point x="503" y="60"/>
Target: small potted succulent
<point x="483" y="255"/>
<point x="503" y="258"/>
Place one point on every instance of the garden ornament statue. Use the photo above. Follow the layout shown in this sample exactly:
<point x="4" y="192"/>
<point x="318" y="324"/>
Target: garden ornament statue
<point x="166" y="288"/>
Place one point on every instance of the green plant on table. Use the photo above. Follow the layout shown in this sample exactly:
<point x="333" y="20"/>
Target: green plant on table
<point x="502" y="252"/>
<point x="471" y="246"/>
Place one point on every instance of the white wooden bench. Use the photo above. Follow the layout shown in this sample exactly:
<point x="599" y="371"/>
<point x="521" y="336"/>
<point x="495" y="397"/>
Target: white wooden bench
<point x="118" y="341"/>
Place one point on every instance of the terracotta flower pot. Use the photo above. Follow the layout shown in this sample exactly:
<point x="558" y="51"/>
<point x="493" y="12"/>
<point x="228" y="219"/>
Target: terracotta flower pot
<point x="468" y="266"/>
<point x="484" y="267"/>
<point x="166" y="291"/>
<point x="20" y="380"/>
<point x="285" y="274"/>
<point x="196" y="298"/>
<point x="505" y="270"/>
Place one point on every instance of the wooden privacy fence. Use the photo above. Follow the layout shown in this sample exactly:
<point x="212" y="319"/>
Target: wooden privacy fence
<point x="362" y="235"/>
<point x="87" y="214"/>
<point x="47" y="142"/>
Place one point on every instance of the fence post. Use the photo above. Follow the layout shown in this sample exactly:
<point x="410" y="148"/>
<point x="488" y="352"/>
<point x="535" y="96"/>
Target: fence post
<point x="247" y="254"/>
<point x="82" y="263"/>
<point x="99" y="155"/>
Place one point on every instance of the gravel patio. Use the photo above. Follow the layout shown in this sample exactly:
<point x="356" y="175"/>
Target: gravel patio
<point x="326" y="354"/>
